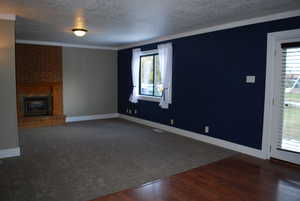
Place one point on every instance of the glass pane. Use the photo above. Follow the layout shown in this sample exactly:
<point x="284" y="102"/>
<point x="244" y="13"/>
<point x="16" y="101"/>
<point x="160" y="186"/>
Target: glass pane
<point x="158" y="84"/>
<point x="291" y="116"/>
<point x="147" y="75"/>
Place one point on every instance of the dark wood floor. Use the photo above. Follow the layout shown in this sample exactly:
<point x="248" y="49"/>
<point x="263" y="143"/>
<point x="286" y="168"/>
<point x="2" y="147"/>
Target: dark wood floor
<point x="239" y="178"/>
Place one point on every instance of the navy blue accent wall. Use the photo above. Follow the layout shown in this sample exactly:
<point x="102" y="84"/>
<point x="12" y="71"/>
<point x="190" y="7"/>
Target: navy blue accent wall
<point x="209" y="88"/>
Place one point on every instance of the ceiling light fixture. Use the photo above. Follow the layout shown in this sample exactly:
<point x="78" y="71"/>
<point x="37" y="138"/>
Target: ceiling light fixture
<point x="79" y="32"/>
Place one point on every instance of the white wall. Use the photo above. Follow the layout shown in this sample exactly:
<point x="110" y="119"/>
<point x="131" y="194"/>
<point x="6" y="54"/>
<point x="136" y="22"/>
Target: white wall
<point x="8" y="111"/>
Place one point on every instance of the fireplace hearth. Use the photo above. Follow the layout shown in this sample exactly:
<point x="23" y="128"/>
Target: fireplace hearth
<point x="37" y="106"/>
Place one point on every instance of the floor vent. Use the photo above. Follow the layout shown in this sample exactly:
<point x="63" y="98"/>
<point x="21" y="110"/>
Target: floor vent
<point x="158" y="130"/>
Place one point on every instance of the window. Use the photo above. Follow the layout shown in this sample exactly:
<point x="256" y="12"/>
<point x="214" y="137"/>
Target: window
<point x="152" y="75"/>
<point x="150" y="83"/>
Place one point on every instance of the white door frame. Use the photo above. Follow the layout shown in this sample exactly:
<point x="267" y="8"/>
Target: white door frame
<point x="273" y="39"/>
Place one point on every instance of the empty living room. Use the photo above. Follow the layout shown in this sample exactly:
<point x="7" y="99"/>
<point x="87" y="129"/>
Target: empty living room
<point x="135" y="100"/>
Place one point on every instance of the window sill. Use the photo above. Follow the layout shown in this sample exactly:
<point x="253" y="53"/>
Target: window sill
<point x="149" y="98"/>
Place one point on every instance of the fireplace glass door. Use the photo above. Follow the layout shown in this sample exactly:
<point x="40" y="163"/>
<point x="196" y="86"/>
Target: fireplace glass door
<point x="37" y="106"/>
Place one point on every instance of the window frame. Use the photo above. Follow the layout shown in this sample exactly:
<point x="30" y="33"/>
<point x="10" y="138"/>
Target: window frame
<point x="146" y="97"/>
<point x="154" y="74"/>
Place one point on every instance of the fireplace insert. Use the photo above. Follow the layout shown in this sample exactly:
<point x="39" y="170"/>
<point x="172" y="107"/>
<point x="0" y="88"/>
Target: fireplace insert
<point x="37" y="106"/>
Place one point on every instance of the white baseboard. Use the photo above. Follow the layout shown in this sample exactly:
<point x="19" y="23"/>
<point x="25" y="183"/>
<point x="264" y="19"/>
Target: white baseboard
<point x="218" y="142"/>
<point x="7" y="153"/>
<point x="92" y="117"/>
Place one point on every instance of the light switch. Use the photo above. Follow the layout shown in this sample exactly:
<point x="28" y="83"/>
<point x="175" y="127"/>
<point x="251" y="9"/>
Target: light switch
<point x="250" y="79"/>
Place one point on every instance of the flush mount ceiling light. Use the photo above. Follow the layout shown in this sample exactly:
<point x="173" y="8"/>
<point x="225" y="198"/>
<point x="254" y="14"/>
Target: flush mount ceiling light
<point x="79" y="32"/>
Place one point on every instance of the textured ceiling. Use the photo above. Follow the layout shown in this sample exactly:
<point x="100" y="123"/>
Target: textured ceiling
<point x="122" y="22"/>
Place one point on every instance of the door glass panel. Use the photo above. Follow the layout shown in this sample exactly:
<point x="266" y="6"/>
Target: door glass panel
<point x="291" y="108"/>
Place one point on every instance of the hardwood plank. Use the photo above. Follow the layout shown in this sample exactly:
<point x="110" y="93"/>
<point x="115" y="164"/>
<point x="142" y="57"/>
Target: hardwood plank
<point x="239" y="178"/>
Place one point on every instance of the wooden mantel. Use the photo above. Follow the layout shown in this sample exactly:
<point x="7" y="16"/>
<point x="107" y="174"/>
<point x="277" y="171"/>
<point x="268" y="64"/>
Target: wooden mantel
<point x="38" y="73"/>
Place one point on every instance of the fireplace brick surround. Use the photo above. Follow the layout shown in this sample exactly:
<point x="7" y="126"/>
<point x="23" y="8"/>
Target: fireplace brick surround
<point x="39" y="74"/>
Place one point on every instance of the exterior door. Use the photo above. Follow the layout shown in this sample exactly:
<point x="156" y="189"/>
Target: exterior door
<point x="285" y="144"/>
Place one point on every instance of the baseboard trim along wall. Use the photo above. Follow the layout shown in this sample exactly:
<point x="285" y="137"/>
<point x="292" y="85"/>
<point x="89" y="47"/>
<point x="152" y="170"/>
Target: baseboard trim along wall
<point x="7" y="153"/>
<point x="218" y="142"/>
<point x="91" y="117"/>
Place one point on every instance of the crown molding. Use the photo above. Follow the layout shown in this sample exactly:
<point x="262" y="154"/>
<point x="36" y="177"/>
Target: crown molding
<point x="7" y="17"/>
<point x="34" y="42"/>
<point x="267" y="18"/>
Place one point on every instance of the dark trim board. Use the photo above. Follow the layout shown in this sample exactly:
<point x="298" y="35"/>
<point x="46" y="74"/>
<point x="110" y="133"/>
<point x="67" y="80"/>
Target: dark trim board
<point x="233" y="179"/>
<point x="290" y="45"/>
<point x="286" y="163"/>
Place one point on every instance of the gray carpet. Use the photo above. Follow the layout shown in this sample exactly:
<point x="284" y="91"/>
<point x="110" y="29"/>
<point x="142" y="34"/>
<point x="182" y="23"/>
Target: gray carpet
<point x="82" y="161"/>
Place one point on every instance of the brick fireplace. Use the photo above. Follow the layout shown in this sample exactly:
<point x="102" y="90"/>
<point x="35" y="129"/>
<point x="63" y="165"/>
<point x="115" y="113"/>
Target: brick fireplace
<point x="39" y="85"/>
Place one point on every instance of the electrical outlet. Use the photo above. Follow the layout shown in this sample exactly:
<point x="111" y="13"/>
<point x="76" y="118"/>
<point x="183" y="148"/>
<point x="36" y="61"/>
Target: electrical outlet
<point x="135" y="111"/>
<point x="172" y="122"/>
<point x="206" y="129"/>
